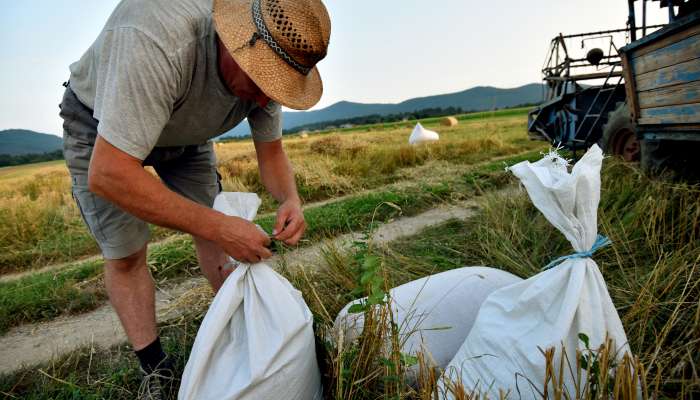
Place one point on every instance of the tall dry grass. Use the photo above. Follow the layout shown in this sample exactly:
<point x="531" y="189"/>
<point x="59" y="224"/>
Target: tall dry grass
<point x="652" y="271"/>
<point x="40" y="224"/>
<point x="335" y="164"/>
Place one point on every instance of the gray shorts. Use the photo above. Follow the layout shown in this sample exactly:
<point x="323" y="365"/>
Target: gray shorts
<point x="187" y="170"/>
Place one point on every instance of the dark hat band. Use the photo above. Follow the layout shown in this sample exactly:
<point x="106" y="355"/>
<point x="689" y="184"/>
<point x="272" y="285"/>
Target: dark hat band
<point x="264" y="33"/>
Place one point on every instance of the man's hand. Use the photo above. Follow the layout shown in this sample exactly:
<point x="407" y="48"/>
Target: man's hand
<point x="120" y="178"/>
<point x="243" y="240"/>
<point x="290" y="224"/>
<point x="278" y="177"/>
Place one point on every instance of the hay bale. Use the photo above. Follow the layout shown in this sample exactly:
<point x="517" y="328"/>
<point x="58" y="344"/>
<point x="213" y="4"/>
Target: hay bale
<point x="449" y="121"/>
<point x="304" y="135"/>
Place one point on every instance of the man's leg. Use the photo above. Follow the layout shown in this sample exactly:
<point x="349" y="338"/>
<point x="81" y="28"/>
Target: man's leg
<point x="132" y="293"/>
<point x="123" y="240"/>
<point x="191" y="172"/>
<point x="211" y="260"/>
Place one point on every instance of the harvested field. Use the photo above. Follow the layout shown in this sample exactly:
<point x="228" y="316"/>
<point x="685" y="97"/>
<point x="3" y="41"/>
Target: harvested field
<point x="652" y="268"/>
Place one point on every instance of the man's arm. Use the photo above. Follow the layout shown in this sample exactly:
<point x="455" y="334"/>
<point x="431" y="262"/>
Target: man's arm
<point x="121" y="179"/>
<point x="278" y="177"/>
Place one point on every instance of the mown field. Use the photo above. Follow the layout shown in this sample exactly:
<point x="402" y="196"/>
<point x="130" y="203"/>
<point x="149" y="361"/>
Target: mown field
<point x="40" y="224"/>
<point x="358" y="169"/>
<point x="651" y="268"/>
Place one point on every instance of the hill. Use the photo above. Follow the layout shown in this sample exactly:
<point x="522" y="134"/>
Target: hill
<point x="17" y="142"/>
<point x="478" y="98"/>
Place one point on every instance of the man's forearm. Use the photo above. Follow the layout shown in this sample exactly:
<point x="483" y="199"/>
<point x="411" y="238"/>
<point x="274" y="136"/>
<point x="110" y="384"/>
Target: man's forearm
<point x="141" y="194"/>
<point x="276" y="171"/>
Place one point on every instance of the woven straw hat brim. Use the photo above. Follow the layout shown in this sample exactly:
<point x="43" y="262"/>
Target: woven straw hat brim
<point x="277" y="79"/>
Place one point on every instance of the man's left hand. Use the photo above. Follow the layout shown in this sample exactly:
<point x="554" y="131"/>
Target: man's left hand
<point x="290" y="225"/>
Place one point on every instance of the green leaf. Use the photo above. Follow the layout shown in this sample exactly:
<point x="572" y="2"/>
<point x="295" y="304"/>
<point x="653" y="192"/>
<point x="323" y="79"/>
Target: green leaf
<point x="408" y="360"/>
<point x="357" y="308"/>
<point x="366" y="277"/>
<point x="371" y="261"/>
<point x="584" y="362"/>
<point x="376" y="287"/>
<point x="386" y="362"/>
<point x="376" y="298"/>
<point x="377" y="281"/>
<point x="584" y="338"/>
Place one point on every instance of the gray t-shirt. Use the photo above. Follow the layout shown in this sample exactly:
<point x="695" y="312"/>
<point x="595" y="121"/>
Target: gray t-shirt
<point x="152" y="79"/>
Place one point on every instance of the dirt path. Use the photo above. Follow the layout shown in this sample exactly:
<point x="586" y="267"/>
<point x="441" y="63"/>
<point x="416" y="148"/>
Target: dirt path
<point x="32" y="344"/>
<point x="426" y="173"/>
<point x="57" y="267"/>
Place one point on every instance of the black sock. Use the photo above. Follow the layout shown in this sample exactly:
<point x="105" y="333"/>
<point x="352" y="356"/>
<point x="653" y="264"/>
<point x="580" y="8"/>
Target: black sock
<point x="152" y="356"/>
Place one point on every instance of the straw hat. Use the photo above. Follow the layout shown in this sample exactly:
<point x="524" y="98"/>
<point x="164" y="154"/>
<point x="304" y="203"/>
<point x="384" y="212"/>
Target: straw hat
<point x="277" y="43"/>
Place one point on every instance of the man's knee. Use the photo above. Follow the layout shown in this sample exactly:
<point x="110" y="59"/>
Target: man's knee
<point x="129" y="263"/>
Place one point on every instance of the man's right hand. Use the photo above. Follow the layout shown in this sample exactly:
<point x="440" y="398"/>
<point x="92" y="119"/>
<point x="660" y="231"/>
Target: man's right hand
<point x="242" y="240"/>
<point x="120" y="178"/>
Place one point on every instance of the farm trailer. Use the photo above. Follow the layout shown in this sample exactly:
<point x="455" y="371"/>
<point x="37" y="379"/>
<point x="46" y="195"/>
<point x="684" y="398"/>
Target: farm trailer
<point x="648" y="105"/>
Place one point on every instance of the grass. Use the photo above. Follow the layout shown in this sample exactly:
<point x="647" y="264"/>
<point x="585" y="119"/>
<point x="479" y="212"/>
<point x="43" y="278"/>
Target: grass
<point x="27" y="170"/>
<point x="46" y="295"/>
<point x="651" y="270"/>
<point x="40" y="224"/>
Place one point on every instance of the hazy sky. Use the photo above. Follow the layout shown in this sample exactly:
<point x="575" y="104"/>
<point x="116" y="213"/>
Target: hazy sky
<point x="381" y="50"/>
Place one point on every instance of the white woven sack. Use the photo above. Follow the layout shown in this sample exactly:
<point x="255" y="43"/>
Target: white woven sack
<point x="434" y="313"/>
<point x="256" y="340"/>
<point x="552" y="307"/>
<point x="421" y="134"/>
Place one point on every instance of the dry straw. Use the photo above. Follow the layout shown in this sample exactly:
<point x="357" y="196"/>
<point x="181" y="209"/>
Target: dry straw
<point x="449" y="121"/>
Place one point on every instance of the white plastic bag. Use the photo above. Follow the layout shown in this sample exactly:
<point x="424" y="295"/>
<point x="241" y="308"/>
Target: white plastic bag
<point x="421" y="134"/>
<point x="552" y="307"/>
<point x="256" y="340"/>
<point x="434" y="313"/>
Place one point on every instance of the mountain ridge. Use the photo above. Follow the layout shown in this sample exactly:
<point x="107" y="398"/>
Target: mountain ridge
<point x="17" y="142"/>
<point x="478" y="98"/>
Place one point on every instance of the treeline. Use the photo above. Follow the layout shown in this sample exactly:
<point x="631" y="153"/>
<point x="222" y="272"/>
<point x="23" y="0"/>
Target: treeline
<point x="7" y="160"/>
<point x="376" y="118"/>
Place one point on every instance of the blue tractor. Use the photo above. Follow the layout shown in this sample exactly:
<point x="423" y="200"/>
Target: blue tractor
<point x="634" y="91"/>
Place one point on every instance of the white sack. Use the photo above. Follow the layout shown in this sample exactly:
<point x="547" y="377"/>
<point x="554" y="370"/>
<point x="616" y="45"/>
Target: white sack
<point x="425" y="306"/>
<point x="256" y="341"/>
<point x="553" y="306"/>
<point x="421" y="134"/>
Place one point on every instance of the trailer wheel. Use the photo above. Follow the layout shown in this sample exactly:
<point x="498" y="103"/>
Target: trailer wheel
<point x="620" y="134"/>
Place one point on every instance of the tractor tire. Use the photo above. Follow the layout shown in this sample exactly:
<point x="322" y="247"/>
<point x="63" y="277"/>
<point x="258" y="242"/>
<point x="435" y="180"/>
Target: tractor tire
<point x="620" y="134"/>
<point x="672" y="159"/>
<point x="656" y="157"/>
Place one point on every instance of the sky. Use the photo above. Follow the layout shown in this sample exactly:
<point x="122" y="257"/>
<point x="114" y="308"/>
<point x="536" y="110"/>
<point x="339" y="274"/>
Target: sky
<point x="382" y="51"/>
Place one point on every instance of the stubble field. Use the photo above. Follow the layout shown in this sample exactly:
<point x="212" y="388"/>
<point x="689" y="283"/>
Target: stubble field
<point x="352" y="181"/>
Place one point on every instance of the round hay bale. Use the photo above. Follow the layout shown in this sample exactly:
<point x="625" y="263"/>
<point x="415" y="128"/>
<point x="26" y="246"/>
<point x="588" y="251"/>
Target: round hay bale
<point x="449" y="121"/>
<point x="304" y="135"/>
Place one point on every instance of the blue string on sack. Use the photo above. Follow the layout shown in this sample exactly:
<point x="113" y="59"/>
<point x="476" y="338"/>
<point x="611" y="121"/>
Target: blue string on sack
<point x="600" y="241"/>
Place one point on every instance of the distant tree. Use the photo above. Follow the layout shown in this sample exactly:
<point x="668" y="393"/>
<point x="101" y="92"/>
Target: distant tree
<point x="377" y="119"/>
<point x="7" y="160"/>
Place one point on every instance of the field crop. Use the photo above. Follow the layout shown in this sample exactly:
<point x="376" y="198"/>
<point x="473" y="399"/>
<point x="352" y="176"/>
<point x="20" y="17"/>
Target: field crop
<point x="651" y="271"/>
<point x="40" y="224"/>
<point x="359" y="177"/>
<point x="78" y="287"/>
